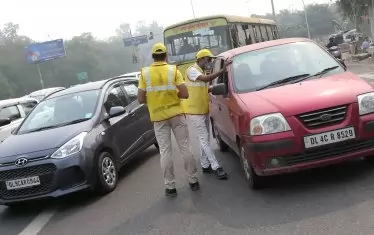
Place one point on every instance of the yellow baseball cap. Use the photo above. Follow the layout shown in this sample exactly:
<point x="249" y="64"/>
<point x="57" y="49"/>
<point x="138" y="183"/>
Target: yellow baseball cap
<point x="204" y="53"/>
<point x="158" y="48"/>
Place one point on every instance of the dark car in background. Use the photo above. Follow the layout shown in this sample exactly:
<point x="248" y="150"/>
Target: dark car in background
<point x="75" y="139"/>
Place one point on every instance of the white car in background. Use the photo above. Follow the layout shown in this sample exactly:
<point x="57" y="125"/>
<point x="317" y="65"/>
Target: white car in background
<point x="12" y="113"/>
<point x="133" y="74"/>
<point x="40" y="94"/>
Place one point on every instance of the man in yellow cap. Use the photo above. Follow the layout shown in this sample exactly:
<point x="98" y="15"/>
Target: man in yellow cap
<point x="161" y="87"/>
<point x="197" y="108"/>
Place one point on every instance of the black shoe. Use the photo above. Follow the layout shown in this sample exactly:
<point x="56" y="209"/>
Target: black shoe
<point x="195" y="186"/>
<point x="207" y="170"/>
<point x="221" y="174"/>
<point x="171" y="192"/>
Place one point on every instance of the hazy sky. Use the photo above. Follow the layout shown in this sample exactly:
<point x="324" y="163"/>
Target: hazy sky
<point x="51" y="19"/>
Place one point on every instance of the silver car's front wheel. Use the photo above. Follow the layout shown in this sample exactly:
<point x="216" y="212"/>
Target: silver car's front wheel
<point x="107" y="173"/>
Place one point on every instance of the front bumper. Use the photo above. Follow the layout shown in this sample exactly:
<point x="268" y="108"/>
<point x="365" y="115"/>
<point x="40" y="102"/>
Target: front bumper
<point x="58" y="177"/>
<point x="290" y="154"/>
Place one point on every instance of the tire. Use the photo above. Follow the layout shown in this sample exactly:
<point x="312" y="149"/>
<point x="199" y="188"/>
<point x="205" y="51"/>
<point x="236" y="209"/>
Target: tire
<point x="157" y="146"/>
<point x="223" y="147"/>
<point x="16" y="205"/>
<point x="369" y="159"/>
<point x="107" y="173"/>
<point x="254" y="181"/>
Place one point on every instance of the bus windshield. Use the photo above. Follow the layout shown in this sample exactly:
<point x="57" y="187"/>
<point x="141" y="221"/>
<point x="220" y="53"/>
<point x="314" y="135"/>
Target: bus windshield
<point x="183" y="46"/>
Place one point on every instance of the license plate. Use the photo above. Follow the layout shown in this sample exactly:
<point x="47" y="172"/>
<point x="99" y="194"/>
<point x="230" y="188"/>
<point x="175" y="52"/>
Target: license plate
<point x="22" y="183"/>
<point x="329" y="137"/>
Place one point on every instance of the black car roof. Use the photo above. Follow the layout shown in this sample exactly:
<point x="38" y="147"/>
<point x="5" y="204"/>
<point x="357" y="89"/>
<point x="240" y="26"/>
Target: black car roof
<point x="88" y="86"/>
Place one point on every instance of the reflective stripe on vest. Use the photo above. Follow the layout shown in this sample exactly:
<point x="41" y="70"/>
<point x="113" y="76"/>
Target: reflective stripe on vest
<point x="162" y="95"/>
<point x="170" y="85"/>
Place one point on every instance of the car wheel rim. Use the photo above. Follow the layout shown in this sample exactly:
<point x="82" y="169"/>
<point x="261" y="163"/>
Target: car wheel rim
<point x="109" y="171"/>
<point x="246" y="166"/>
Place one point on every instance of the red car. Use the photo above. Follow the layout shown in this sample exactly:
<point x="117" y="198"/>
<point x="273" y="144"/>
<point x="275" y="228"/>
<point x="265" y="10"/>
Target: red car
<point x="288" y="105"/>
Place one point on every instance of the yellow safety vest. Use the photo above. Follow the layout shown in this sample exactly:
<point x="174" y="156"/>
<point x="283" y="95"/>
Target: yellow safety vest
<point x="162" y="99"/>
<point x="198" y="101"/>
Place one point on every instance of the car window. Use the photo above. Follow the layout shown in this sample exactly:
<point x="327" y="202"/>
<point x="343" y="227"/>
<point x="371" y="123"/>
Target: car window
<point x="114" y="98"/>
<point x="216" y="67"/>
<point x="10" y="112"/>
<point x="28" y="106"/>
<point x="131" y="91"/>
<point x="61" y="110"/>
<point x="255" y="69"/>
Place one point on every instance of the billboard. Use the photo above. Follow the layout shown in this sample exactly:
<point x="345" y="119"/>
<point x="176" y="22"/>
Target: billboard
<point x="135" y="41"/>
<point x="44" y="51"/>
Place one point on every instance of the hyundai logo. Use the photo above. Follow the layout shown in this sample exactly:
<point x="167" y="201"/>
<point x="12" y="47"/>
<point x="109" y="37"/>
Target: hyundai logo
<point x="325" y="117"/>
<point x="21" y="161"/>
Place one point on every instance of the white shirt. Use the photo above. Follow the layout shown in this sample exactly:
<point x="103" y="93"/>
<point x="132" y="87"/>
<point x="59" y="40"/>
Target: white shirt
<point x="193" y="74"/>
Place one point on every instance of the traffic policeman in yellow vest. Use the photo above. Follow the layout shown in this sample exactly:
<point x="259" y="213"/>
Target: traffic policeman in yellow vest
<point x="196" y="108"/>
<point x="161" y="87"/>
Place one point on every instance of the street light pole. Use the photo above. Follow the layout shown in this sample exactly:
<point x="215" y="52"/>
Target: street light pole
<point x="371" y="10"/>
<point x="306" y="19"/>
<point x="193" y="11"/>
<point x="272" y="7"/>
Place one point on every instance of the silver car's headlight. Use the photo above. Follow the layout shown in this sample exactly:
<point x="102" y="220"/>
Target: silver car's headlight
<point x="366" y="103"/>
<point x="269" y="124"/>
<point x="71" y="147"/>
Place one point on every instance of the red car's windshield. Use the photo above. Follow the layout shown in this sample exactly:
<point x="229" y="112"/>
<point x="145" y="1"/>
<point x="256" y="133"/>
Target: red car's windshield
<point x="256" y="69"/>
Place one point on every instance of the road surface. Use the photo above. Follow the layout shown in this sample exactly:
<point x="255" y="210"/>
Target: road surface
<point x="334" y="200"/>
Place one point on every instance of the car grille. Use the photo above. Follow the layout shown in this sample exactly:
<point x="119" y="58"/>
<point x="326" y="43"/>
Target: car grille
<point x="324" y="117"/>
<point x="45" y="173"/>
<point x="328" y="152"/>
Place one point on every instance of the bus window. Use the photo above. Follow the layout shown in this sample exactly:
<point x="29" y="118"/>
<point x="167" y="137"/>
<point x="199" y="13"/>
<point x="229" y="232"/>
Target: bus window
<point x="259" y="35"/>
<point x="275" y="32"/>
<point x="185" y="45"/>
<point x="264" y="33"/>
<point x="269" y="32"/>
<point x="241" y="35"/>
<point x="234" y="36"/>
<point x="251" y="35"/>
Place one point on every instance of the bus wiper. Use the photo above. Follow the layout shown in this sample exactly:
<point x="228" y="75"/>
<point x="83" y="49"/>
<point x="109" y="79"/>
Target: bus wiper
<point x="319" y="74"/>
<point x="284" y="80"/>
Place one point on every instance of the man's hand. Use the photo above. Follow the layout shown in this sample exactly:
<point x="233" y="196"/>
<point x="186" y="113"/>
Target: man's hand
<point x="225" y="64"/>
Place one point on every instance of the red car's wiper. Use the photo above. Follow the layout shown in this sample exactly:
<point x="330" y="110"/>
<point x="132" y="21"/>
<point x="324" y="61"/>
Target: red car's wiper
<point x="284" y="80"/>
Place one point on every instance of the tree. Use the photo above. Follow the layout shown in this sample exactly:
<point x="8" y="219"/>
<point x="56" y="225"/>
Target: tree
<point x="124" y="30"/>
<point x="354" y="9"/>
<point x="320" y="17"/>
<point x="10" y="31"/>
<point x="142" y="28"/>
<point x="101" y="59"/>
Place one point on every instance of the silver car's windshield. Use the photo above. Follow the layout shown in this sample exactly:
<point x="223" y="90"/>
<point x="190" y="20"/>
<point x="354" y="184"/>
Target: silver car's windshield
<point x="256" y="69"/>
<point x="62" y="110"/>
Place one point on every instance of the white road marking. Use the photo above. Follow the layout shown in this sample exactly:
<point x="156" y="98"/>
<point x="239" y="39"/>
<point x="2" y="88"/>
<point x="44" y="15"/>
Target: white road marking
<point x="366" y="76"/>
<point x="39" y="222"/>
